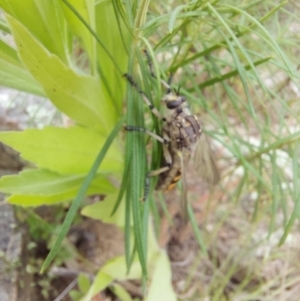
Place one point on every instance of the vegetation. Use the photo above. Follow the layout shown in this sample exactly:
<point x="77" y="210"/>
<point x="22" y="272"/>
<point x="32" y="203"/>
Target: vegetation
<point x="235" y="63"/>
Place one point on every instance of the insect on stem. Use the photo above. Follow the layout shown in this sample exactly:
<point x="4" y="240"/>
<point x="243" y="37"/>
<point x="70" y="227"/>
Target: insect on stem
<point x="181" y="134"/>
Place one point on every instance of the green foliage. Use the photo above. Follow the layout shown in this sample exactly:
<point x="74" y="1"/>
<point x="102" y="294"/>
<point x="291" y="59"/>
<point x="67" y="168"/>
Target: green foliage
<point x="40" y="187"/>
<point x="65" y="151"/>
<point x="80" y="195"/>
<point x="103" y="210"/>
<point x="68" y="90"/>
<point x="83" y="285"/>
<point x="161" y="273"/>
<point x="120" y="292"/>
<point x="13" y="74"/>
<point x="225" y="52"/>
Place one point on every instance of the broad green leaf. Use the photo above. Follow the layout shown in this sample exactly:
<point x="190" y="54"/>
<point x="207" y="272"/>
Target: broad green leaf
<point x="26" y="200"/>
<point x="75" y="295"/>
<point x="102" y="211"/>
<point x="13" y="74"/>
<point x="78" y="96"/>
<point x="83" y="283"/>
<point x="45" y="182"/>
<point x="64" y="150"/>
<point x="44" y="19"/>
<point x="81" y="193"/>
<point x="117" y="269"/>
<point x="161" y="280"/>
<point x="160" y="285"/>
<point x="86" y="9"/>
<point x="120" y="292"/>
<point x="101" y="282"/>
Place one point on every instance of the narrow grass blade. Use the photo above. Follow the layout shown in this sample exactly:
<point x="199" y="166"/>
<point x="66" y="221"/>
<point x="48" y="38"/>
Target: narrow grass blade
<point x="222" y="43"/>
<point x="122" y="188"/>
<point x="196" y="230"/>
<point x="127" y="232"/>
<point x="296" y="195"/>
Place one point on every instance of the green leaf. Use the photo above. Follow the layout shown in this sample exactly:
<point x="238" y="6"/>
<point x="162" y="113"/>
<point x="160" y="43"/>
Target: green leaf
<point x="3" y="25"/>
<point x="75" y="295"/>
<point x="45" y="182"/>
<point x="117" y="269"/>
<point x="9" y="54"/>
<point x="102" y="211"/>
<point x="26" y="200"/>
<point x="44" y="19"/>
<point x="42" y="187"/>
<point x="83" y="189"/>
<point x="114" y="58"/>
<point x="83" y="283"/>
<point x="173" y="16"/>
<point x="120" y="292"/>
<point x="86" y="8"/>
<point x="66" y="151"/>
<point x="161" y="280"/>
<point x="112" y="49"/>
<point x="78" y="96"/>
<point x="101" y="282"/>
<point x="160" y="286"/>
<point x="135" y="154"/>
<point x="13" y="74"/>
